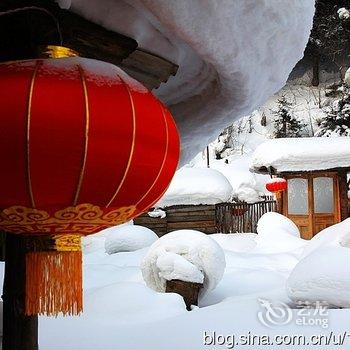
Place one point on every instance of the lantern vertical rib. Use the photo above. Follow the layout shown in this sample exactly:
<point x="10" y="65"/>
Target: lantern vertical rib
<point x="162" y="194"/>
<point x="86" y="134"/>
<point x="163" y="162"/>
<point x="132" y="144"/>
<point x="29" y="117"/>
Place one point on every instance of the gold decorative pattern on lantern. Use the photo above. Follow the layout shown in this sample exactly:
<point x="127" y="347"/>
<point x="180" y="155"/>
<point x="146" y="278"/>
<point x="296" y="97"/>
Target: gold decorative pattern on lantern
<point x="83" y="218"/>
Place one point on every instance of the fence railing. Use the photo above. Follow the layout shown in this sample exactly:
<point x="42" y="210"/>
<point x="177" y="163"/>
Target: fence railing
<point x="242" y="217"/>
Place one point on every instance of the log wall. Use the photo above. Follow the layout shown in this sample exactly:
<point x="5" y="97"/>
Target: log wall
<point x="181" y="217"/>
<point x="223" y="217"/>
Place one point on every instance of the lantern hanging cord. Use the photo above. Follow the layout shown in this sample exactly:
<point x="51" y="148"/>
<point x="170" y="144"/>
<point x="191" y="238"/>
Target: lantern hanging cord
<point x="35" y="8"/>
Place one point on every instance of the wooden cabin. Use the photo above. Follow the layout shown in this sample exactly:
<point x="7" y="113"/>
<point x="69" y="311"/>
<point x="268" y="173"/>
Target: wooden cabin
<point x="316" y="170"/>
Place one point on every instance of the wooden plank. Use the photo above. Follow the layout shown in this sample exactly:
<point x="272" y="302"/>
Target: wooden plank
<point x="190" y="213"/>
<point x="191" y="218"/>
<point x="149" y="68"/>
<point x="149" y="220"/>
<point x="190" y="224"/>
<point x="189" y="208"/>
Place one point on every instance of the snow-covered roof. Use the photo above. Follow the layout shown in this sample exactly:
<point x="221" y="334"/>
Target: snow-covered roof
<point x="232" y="55"/>
<point x="196" y="186"/>
<point x="302" y="154"/>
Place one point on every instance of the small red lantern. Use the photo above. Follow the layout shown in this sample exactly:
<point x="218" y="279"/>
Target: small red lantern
<point x="276" y="184"/>
<point x="83" y="147"/>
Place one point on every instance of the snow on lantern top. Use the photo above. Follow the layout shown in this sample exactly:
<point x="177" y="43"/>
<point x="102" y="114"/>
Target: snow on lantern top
<point x="301" y="154"/>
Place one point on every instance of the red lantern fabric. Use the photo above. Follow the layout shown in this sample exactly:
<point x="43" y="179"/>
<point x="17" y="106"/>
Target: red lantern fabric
<point x="276" y="184"/>
<point x="83" y="146"/>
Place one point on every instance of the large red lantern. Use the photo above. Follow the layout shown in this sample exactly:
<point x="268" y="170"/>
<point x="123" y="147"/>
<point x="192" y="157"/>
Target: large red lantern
<point x="276" y="184"/>
<point x="83" y="147"/>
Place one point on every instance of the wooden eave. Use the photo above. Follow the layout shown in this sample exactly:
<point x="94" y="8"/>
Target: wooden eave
<point x="23" y="32"/>
<point x="272" y="171"/>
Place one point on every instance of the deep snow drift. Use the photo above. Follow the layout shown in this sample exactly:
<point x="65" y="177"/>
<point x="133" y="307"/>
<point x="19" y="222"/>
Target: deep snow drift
<point x="120" y="312"/>
<point x="322" y="274"/>
<point x="232" y="55"/>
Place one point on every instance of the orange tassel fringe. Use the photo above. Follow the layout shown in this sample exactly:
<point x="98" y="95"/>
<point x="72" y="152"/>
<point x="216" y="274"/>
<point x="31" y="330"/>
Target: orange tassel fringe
<point x="54" y="283"/>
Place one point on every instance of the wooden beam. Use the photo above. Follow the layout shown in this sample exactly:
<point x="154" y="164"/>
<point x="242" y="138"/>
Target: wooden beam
<point x="23" y="32"/>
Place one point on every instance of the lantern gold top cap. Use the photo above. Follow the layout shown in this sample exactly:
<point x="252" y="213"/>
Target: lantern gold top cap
<point x="53" y="51"/>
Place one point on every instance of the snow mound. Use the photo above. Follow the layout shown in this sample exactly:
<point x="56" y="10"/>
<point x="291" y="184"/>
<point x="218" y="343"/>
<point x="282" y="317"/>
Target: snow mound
<point x="322" y="276"/>
<point x="128" y="238"/>
<point x="187" y="255"/>
<point x="278" y="234"/>
<point x="302" y="154"/>
<point x="223" y="49"/>
<point x="336" y="235"/>
<point x="274" y="223"/>
<point x="197" y="186"/>
<point x="235" y="242"/>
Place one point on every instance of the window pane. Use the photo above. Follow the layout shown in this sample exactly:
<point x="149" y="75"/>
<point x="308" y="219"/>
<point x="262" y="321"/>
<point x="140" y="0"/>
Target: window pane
<point x="298" y="197"/>
<point x="323" y="195"/>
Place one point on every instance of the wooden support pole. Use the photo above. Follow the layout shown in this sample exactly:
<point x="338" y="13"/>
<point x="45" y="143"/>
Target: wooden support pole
<point x="20" y="332"/>
<point x="188" y="290"/>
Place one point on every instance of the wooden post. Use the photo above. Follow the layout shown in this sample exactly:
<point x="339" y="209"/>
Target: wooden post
<point x="188" y="290"/>
<point x="208" y="157"/>
<point x="20" y="332"/>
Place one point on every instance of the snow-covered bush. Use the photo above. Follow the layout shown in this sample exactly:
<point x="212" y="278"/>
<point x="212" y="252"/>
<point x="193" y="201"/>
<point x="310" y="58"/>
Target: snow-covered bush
<point x="128" y="238"/>
<point x="186" y="255"/>
<point x="322" y="276"/>
<point x="277" y="234"/>
<point x="336" y="235"/>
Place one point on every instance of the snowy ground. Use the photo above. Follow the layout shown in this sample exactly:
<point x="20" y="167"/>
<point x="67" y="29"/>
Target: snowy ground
<point x="121" y="312"/>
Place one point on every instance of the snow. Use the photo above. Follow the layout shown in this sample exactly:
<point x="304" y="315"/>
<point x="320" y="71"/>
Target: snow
<point x="187" y="255"/>
<point x="196" y="186"/>
<point x="274" y="223"/>
<point x="128" y="238"/>
<point x="333" y="236"/>
<point x="322" y="276"/>
<point x="347" y="77"/>
<point x="236" y="242"/>
<point x="302" y="154"/>
<point x="220" y="47"/>
<point x="157" y="213"/>
<point x="120" y="311"/>
<point x="343" y="13"/>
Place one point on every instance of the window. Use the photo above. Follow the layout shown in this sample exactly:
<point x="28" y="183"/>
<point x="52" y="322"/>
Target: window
<point x="323" y="195"/>
<point x="298" y="197"/>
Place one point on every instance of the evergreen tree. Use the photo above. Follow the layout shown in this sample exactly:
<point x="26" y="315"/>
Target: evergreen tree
<point x="330" y="36"/>
<point x="285" y="124"/>
<point x="337" y="120"/>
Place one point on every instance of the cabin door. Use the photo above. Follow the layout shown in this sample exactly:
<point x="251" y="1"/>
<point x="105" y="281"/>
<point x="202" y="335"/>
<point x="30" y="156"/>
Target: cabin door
<point x="311" y="201"/>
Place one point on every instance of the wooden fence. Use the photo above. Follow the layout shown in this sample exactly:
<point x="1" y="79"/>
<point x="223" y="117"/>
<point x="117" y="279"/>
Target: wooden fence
<point x="241" y="217"/>
<point x="223" y="217"/>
